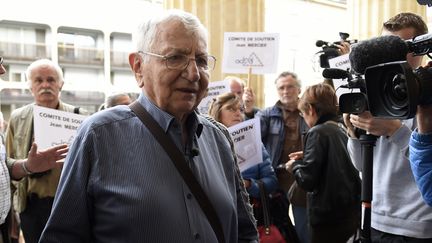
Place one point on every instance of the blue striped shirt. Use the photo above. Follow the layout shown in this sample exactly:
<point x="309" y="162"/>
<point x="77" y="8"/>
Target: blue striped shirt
<point x="119" y="185"/>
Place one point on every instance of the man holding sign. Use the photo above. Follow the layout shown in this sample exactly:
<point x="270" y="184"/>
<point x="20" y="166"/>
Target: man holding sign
<point x="37" y="180"/>
<point x="246" y="94"/>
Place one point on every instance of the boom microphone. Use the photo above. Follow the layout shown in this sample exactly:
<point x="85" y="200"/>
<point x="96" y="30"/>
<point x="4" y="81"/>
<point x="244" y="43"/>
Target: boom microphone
<point x="335" y="73"/>
<point x="378" y="50"/>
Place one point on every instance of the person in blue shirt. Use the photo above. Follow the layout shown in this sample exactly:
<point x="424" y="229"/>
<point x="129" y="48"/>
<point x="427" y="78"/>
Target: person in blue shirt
<point x="420" y="152"/>
<point x="119" y="184"/>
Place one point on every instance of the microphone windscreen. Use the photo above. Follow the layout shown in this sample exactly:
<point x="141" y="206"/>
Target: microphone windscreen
<point x="378" y="50"/>
<point x="334" y="73"/>
<point x="320" y="43"/>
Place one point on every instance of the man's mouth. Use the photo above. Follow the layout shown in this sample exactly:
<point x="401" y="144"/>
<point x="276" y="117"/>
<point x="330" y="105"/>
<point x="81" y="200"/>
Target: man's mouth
<point x="188" y="90"/>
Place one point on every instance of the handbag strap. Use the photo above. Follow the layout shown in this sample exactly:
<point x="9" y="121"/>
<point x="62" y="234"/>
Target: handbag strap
<point x="182" y="167"/>
<point x="264" y="198"/>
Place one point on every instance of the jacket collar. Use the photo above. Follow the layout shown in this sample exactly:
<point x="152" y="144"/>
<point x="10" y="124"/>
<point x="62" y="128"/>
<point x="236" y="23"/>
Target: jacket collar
<point x="326" y="117"/>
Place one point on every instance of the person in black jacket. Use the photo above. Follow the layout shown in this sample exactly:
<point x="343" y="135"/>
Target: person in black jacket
<point x="325" y="171"/>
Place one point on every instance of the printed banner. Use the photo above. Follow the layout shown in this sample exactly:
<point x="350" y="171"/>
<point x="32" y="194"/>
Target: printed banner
<point x="214" y="89"/>
<point x="255" y="50"/>
<point x="54" y="127"/>
<point x="247" y="143"/>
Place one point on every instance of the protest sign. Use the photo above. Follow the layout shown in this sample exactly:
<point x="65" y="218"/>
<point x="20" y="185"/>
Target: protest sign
<point x="247" y="143"/>
<point x="214" y="89"/>
<point x="250" y="51"/>
<point x="54" y="127"/>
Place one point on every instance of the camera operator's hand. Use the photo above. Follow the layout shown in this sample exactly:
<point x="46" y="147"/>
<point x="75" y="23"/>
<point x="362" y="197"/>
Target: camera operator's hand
<point x="349" y="125"/>
<point x="424" y="119"/>
<point x="344" y="47"/>
<point x="375" y="126"/>
<point x="248" y="100"/>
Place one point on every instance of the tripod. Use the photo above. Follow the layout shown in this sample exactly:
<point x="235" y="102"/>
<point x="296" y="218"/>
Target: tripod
<point x="367" y="142"/>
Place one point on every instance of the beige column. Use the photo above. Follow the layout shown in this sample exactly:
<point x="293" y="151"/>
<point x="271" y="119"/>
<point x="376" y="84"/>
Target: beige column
<point x="367" y="16"/>
<point x="221" y="16"/>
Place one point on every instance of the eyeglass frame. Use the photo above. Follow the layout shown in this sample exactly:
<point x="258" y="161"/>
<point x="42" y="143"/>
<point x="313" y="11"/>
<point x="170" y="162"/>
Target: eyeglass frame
<point x="1" y="60"/>
<point x="186" y="66"/>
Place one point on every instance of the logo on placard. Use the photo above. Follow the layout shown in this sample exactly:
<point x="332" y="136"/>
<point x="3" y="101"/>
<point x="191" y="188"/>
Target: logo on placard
<point x="251" y="61"/>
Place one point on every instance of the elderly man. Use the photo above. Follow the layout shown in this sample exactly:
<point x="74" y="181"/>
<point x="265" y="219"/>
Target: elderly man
<point x="37" y="181"/>
<point x="114" y="99"/>
<point x="120" y="185"/>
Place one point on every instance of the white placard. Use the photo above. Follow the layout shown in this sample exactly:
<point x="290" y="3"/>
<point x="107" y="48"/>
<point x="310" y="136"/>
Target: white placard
<point x="54" y="127"/>
<point x="214" y="89"/>
<point x="257" y="50"/>
<point x="341" y="62"/>
<point x="247" y="143"/>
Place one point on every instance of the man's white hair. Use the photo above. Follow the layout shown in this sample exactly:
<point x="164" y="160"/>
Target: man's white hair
<point x="146" y="32"/>
<point x="43" y="62"/>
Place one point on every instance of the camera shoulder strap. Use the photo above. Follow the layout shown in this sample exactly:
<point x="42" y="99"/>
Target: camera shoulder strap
<point x="180" y="163"/>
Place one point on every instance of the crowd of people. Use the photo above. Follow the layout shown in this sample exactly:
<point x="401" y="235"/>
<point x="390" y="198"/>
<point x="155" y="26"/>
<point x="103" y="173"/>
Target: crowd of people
<point x="118" y="182"/>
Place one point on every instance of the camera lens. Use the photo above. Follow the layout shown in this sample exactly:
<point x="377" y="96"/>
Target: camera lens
<point x="395" y="88"/>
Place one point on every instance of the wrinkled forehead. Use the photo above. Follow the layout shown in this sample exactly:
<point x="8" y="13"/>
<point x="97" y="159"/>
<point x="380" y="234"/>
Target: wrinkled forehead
<point x="44" y="71"/>
<point x="173" y="29"/>
<point x="287" y="80"/>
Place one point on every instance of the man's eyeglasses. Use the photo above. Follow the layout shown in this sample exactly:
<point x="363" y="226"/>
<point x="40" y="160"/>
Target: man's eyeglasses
<point x="181" y="62"/>
<point x="1" y="60"/>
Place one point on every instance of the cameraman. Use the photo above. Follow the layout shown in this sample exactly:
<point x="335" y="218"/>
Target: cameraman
<point x="398" y="212"/>
<point x="421" y="152"/>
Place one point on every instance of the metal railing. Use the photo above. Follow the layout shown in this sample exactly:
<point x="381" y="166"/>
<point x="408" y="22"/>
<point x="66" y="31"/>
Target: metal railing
<point x="80" y="55"/>
<point x="24" y="51"/>
<point x="120" y="59"/>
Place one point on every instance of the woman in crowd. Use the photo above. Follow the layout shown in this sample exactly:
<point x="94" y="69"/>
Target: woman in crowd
<point x="226" y="109"/>
<point x="324" y="169"/>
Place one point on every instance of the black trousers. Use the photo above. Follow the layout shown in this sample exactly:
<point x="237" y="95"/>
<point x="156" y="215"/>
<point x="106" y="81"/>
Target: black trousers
<point x="382" y="237"/>
<point x="335" y="233"/>
<point x="35" y="217"/>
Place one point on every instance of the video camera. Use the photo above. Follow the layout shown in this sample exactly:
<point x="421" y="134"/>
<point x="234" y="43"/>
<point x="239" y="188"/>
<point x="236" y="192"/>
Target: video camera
<point x="354" y="102"/>
<point x="330" y="50"/>
<point x="390" y="88"/>
<point x="425" y="2"/>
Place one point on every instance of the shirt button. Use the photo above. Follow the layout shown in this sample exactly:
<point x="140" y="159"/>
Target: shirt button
<point x="189" y="196"/>
<point x="197" y="236"/>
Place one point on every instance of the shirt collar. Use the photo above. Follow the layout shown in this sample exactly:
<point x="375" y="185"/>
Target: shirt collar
<point x="166" y="120"/>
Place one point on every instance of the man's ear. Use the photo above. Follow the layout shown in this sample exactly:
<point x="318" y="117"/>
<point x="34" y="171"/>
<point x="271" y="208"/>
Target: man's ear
<point x="61" y="85"/>
<point x="135" y="62"/>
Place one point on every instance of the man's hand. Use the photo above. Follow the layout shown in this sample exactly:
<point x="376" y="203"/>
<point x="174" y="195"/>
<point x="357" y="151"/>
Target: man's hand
<point x="40" y="161"/>
<point x="349" y="125"/>
<point x="248" y="100"/>
<point x="374" y="126"/>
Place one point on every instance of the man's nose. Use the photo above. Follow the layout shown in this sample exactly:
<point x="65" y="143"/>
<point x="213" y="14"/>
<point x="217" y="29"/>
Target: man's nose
<point x="45" y="83"/>
<point x="192" y="71"/>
